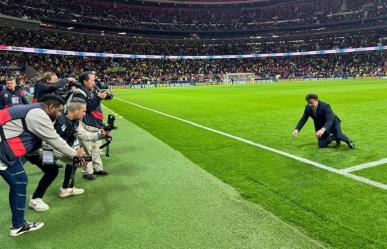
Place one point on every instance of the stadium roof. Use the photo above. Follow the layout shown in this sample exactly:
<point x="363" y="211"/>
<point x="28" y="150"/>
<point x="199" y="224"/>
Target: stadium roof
<point x="206" y="2"/>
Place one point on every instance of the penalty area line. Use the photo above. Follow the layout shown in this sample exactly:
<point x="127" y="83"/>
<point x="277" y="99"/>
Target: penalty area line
<point x="364" y="166"/>
<point x="301" y="159"/>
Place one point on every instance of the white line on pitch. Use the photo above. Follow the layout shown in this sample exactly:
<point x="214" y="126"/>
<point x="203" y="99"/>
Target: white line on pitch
<point x="365" y="165"/>
<point x="301" y="159"/>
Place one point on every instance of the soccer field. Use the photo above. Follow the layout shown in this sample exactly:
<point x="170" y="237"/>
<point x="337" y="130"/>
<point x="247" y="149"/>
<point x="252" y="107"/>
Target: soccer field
<point x="327" y="205"/>
<point x="216" y="167"/>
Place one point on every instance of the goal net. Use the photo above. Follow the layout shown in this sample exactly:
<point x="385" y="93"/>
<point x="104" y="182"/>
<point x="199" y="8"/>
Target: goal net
<point x="239" y="78"/>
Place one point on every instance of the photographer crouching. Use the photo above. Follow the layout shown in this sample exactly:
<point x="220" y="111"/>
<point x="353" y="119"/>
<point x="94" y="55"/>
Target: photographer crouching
<point x="23" y="129"/>
<point x="92" y="123"/>
<point x="69" y="128"/>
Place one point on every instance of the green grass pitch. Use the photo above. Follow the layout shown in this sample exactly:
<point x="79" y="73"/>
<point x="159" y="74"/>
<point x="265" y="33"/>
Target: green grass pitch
<point x="331" y="208"/>
<point x="159" y="196"/>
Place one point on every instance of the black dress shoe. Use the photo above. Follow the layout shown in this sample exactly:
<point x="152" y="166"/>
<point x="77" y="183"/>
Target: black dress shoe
<point x="101" y="173"/>
<point x="338" y="143"/>
<point x="351" y="144"/>
<point x="90" y="177"/>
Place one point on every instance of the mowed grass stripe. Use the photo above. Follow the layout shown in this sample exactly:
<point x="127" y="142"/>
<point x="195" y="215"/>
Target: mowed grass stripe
<point x="343" y="172"/>
<point x="268" y="113"/>
<point x="327" y="207"/>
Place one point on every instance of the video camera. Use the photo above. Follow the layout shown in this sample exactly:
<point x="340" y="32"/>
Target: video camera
<point x="78" y="159"/>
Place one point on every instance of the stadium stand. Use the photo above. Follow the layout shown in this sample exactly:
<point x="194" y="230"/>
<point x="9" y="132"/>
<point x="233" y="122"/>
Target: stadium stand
<point x="304" y="26"/>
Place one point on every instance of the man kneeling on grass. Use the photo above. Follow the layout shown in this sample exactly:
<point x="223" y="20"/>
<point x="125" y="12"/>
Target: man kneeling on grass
<point x="326" y="123"/>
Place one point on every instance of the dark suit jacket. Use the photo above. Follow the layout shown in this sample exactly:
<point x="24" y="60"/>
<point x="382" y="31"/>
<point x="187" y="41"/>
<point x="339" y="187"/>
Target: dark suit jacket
<point x="324" y="117"/>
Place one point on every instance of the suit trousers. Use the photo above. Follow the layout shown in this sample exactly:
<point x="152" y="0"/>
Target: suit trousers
<point x="335" y="133"/>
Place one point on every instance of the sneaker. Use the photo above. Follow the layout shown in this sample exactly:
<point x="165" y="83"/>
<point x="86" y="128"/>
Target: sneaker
<point x="77" y="191"/>
<point x="90" y="177"/>
<point x="351" y="144"/>
<point x="64" y="192"/>
<point x="27" y="227"/>
<point x="38" y="204"/>
<point x="101" y="173"/>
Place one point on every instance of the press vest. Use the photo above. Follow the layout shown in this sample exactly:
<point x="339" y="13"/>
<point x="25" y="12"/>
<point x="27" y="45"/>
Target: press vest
<point x="15" y="144"/>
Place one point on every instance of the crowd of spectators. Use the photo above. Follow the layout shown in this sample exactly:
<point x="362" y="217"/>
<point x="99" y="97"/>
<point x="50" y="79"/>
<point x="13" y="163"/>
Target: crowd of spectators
<point x="115" y="44"/>
<point x="181" y="18"/>
<point x="134" y="71"/>
<point x="120" y="71"/>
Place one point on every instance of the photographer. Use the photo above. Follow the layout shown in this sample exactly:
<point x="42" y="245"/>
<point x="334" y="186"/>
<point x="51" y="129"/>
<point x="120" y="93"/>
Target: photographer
<point x="92" y="122"/>
<point x="48" y="84"/>
<point x="68" y="127"/>
<point x="23" y="129"/>
<point x="12" y="95"/>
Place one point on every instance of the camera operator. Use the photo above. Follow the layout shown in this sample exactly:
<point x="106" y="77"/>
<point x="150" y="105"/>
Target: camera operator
<point x="92" y="123"/>
<point x="23" y="129"/>
<point x="49" y="83"/>
<point x="12" y="95"/>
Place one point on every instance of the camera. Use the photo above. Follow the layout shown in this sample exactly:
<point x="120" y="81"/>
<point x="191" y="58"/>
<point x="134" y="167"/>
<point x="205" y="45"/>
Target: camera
<point x="101" y="87"/>
<point x="110" y="123"/>
<point x="78" y="159"/>
<point x="109" y="96"/>
<point x="67" y="89"/>
<point x="109" y="127"/>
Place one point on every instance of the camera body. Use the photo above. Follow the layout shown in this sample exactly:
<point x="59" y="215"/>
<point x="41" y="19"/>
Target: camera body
<point x="109" y="96"/>
<point x="109" y="127"/>
<point x="110" y="123"/>
<point x="78" y="159"/>
<point x="102" y="87"/>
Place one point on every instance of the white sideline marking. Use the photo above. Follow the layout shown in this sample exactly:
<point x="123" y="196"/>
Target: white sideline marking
<point x="301" y="159"/>
<point x="364" y="165"/>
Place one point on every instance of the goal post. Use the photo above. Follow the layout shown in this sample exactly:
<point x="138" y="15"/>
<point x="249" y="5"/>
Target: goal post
<point x="239" y="78"/>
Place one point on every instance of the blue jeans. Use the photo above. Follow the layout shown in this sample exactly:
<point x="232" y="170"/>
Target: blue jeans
<point x="16" y="178"/>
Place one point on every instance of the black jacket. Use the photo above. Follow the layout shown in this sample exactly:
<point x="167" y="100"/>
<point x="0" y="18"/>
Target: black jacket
<point x="66" y="128"/>
<point x="324" y="117"/>
<point x="94" y="115"/>
<point x="42" y="88"/>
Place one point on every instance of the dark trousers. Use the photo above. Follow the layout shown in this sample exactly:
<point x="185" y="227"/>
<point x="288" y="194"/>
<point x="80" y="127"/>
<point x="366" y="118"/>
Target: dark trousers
<point x="69" y="181"/>
<point x="50" y="173"/>
<point x="17" y="180"/>
<point x="334" y="134"/>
